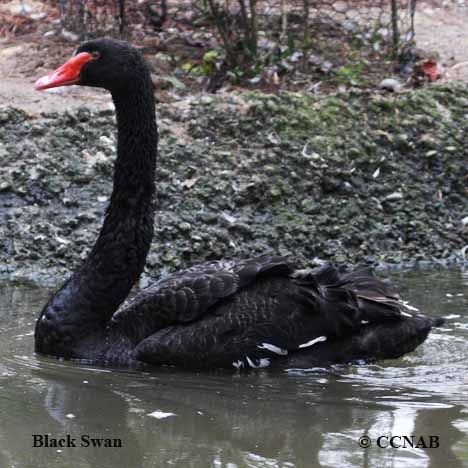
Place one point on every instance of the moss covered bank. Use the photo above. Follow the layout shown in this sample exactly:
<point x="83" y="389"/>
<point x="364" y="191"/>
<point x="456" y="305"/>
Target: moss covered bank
<point x="354" y="178"/>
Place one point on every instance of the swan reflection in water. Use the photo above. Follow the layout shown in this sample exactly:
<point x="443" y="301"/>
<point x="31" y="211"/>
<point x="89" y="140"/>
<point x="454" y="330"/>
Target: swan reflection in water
<point x="219" y="419"/>
<point x="300" y="419"/>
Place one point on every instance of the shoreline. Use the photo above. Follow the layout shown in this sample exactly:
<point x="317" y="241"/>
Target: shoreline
<point x="355" y="178"/>
<point x="54" y="280"/>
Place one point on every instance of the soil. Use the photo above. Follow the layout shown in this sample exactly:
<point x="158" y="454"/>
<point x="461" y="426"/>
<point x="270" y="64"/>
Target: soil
<point x="21" y="64"/>
<point x="358" y="176"/>
<point x="353" y="178"/>
<point x="444" y="30"/>
<point x="439" y="29"/>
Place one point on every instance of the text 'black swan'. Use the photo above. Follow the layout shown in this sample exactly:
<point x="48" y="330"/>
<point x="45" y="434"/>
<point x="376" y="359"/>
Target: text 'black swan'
<point x="242" y="314"/>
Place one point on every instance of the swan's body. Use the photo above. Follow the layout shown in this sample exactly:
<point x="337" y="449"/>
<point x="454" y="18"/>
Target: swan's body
<point x="237" y="314"/>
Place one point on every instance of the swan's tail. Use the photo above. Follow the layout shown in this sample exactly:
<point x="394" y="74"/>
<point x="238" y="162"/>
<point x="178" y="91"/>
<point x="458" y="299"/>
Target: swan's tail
<point x="385" y="326"/>
<point x="390" y="340"/>
<point x="374" y="341"/>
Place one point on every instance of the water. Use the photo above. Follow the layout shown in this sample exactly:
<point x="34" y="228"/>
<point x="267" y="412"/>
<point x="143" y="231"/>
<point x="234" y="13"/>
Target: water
<point x="220" y="419"/>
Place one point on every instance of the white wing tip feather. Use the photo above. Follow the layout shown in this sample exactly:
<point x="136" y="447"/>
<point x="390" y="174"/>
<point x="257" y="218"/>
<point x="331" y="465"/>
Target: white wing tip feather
<point x="273" y="349"/>
<point x="312" y="342"/>
<point x="263" y="362"/>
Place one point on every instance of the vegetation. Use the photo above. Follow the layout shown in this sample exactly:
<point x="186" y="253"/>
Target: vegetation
<point x="295" y="44"/>
<point x="355" y="177"/>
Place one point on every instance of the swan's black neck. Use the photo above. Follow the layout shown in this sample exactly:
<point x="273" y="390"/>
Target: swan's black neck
<point x="118" y="257"/>
<point x="87" y="301"/>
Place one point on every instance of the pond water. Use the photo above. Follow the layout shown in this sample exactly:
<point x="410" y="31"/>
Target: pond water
<point x="298" y="418"/>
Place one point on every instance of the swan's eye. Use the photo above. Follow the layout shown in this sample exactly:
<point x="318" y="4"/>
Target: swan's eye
<point x="95" y="55"/>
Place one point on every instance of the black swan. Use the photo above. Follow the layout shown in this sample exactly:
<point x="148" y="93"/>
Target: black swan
<point x="236" y="314"/>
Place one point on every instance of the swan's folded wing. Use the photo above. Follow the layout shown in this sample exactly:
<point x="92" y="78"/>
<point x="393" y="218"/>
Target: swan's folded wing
<point x="310" y="311"/>
<point x="187" y="295"/>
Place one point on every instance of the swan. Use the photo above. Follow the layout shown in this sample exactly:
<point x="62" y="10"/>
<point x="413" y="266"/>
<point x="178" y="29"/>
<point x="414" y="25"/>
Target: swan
<point x="238" y="314"/>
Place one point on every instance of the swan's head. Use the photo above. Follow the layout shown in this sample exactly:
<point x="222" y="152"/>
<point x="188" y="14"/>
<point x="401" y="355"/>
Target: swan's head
<point x="101" y="63"/>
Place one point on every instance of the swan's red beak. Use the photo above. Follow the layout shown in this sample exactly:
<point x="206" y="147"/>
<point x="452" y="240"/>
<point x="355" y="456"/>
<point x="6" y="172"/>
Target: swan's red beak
<point x="65" y="75"/>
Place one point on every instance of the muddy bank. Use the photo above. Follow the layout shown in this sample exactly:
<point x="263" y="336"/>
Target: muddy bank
<point x="354" y="178"/>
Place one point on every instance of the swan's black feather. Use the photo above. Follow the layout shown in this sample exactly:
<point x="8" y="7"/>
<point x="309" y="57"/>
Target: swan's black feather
<point x="187" y="295"/>
<point x="232" y="313"/>
<point x="280" y="311"/>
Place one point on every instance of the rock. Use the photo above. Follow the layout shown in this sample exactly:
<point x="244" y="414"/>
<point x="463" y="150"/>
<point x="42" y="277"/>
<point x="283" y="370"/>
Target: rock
<point x="247" y="183"/>
<point x="394" y="196"/>
<point x="427" y="141"/>
<point x="310" y="206"/>
<point x="391" y="84"/>
<point x="5" y="186"/>
<point x="331" y="184"/>
<point x="185" y="227"/>
<point x="70" y="36"/>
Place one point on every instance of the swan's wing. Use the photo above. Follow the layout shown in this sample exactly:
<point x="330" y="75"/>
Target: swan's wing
<point x="278" y="314"/>
<point x="187" y="295"/>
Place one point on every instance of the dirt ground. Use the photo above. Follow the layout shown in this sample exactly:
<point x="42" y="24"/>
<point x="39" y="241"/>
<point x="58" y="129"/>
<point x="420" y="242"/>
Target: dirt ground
<point x="360" y="176"/>
<point x="445" y="31"/>
<point x="18" y="74"/>
<point x="17" y="79"/>
<point x="387" y="188"/>
<point x="442" y="30"/>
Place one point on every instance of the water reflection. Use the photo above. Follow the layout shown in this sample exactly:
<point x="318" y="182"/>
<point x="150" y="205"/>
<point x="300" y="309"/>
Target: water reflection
<point x="304" y="418"/>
